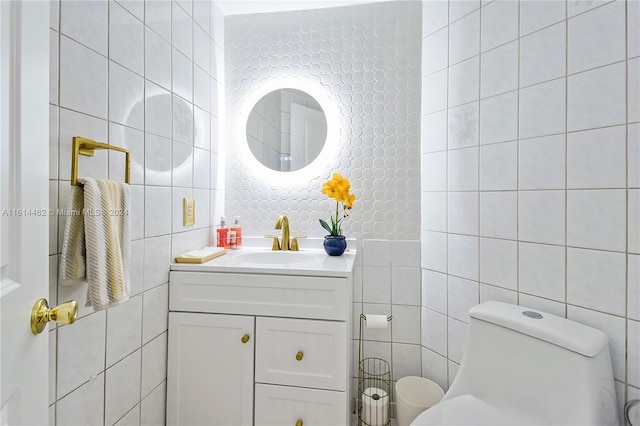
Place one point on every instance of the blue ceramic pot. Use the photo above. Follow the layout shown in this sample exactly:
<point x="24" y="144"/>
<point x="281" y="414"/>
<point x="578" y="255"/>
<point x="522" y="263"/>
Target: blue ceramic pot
<point x="335" y="245"/>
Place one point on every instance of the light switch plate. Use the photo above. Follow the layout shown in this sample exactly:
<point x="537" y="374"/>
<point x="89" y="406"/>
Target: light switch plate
<point x="189" y="212"/>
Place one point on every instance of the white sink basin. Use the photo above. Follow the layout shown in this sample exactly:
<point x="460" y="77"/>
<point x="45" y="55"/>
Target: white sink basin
<point x="275" y="257"/>
<point x="263" y="260"/>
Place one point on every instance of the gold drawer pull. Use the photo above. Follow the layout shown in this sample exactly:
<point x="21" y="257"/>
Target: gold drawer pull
<point x="299" y="422"/>
<point x="245" y="338"/>
<point x="299" y="356"/>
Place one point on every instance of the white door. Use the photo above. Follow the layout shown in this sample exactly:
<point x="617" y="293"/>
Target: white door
<point x="24" y="152"/>
<point x="308" y="133"/>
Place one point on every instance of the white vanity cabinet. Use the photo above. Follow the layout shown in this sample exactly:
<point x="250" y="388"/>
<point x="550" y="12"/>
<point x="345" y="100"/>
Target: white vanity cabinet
<point x="262" y="348"/>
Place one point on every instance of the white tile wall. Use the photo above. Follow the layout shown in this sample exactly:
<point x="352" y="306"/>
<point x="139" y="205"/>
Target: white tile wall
<point x="489" y="292"/>
<point x="596" y="219"/>
<point x="85" y="406"/>
<point x="542" y="163"/>
<point x="434" y="251"/>
<point x="122" y="387"/>
<point x="499" y="115"/>
<point x="541" y="216"/>
<point x="152" y="407"/>
<point x="596" y="38"/>
<point x="463" y="256"/>
<point x="377" y="118"/>
<point x="434" y="291"/>
<point x="462" y="295"/>
<point x="499" y="262"/>
<point x="527" y="101"/>
<point x="116" y="68"/>
<point x="124" y="330"/>
<point x="498" y="214"/>
<point x="461" y="8"/>
<point x="499" y="70"/>
<point x="438" y="18"/>
<point x="633" y="290"/>
<point x="82" y="88"/>
<point x="86" y="22"/>
<point x="587" y="270"/>
<point x="434" y="331"/>
<point x="543" y="55"/>
<point x="434" y="129"/>
<point x="499" y="166"/>
<point x="463" y="82"/>
<point x="434" y="171"/>
<point x="126" y="39"/>
<point x="463" y="42"/>
<point x="595" y="98"/>
<point x="463" y="125"/>
<point x="499" y="24"/>
<point x="542" y="270"/>
<point x="435" y="367"/>
<point x="87" y="337"/>
<point x="556" y="175"/>
<point x="435" y="46"/>
<point x="633" y="89"/>
<point x="462" y="169"/>
<point x="462" y="212"/>
<point x="542" y="109"/>
<point x="435" y="86"/>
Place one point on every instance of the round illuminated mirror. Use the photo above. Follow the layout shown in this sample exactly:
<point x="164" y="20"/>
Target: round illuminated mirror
<point x="286" y="130"/>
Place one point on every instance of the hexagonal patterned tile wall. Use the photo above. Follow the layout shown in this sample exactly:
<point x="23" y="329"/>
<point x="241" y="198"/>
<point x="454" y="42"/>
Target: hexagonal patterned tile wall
<point x="366" y="59"/>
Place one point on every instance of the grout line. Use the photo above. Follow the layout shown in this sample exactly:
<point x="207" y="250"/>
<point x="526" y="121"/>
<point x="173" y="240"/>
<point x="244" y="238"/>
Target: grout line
<point x="479" y="157"/>
<point x="446" y="177"/>
<point x="627" y="205"/>
<point x="517" y="266"/>
<point x="566" y="160"/>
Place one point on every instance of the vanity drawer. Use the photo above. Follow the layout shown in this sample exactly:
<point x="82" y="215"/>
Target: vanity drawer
<point x="302" y="353"/>
<point x="285" y="406"/>
<point x="258" y="294"/>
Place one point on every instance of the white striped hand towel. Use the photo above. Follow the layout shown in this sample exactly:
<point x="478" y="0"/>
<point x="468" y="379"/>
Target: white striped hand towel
<point x="72" y="258"/>
<point x="106" y="241"/>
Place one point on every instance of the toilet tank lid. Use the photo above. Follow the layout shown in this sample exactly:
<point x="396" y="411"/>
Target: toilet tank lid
<point x="559" y="331"/>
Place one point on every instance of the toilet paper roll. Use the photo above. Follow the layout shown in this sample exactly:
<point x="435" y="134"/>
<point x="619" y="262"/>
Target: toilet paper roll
<point x="377" y="321"/>
<point x="375" y="406"/>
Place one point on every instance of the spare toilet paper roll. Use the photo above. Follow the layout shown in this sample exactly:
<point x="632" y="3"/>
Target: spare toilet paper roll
<point x="375" y="406"/>
<point x="376" y="321"/>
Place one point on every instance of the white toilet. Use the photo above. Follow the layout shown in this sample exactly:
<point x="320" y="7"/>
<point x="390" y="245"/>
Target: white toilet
<point x="524" y="367"/>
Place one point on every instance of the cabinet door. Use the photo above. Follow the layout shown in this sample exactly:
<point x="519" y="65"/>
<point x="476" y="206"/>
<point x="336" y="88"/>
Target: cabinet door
<point x="291" y="406"/>
<point x="210" y="369"/>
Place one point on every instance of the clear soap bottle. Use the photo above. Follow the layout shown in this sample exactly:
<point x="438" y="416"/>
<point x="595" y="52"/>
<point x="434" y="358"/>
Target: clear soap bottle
<point x="222" y="234"/>
<point x="236" y="233"/>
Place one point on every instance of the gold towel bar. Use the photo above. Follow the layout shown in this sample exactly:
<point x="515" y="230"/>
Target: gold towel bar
<point x="86" y="146"/>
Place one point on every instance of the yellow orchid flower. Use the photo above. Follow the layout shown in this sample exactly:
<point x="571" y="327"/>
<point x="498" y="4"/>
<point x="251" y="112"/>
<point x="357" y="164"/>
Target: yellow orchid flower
<point x="337" y="188"/>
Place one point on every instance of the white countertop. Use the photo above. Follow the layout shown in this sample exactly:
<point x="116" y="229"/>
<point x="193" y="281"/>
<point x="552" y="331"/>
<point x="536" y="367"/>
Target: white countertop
<point x="305" y="262"/>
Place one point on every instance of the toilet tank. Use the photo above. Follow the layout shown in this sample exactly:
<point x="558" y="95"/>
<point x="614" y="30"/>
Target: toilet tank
<point x="538" y="366"/>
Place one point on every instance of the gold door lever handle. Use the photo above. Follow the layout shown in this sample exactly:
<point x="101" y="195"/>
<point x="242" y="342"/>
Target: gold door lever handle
<point x="41" y="314"/>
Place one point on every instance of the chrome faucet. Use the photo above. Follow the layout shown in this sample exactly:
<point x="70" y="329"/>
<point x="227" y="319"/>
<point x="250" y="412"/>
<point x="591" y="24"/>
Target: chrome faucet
<point x="283" y="223"/>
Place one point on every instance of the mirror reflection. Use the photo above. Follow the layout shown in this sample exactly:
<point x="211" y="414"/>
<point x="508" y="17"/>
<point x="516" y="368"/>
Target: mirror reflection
<point x="286" y="129"/>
